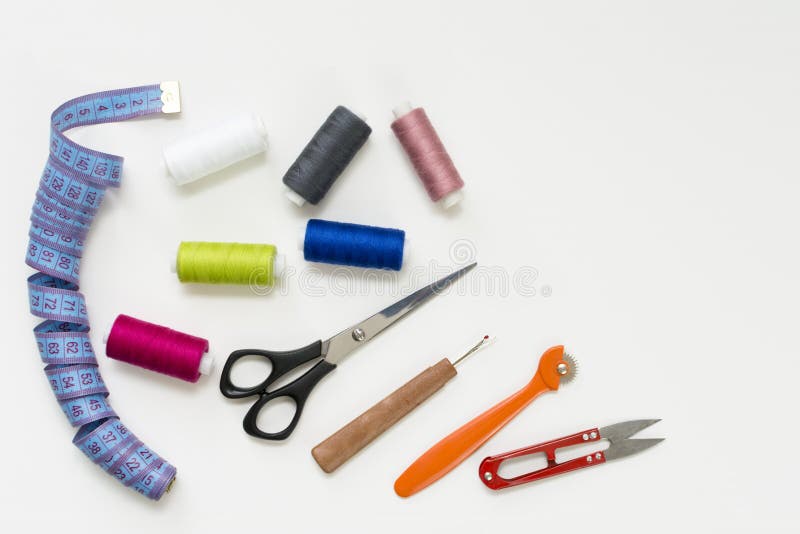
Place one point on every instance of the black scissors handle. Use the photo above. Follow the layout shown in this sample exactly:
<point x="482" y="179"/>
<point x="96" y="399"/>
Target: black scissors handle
<point x="282" y="362"/>
<point x="298" y="390"/>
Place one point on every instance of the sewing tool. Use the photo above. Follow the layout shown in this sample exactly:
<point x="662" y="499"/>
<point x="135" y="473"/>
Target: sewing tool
<point x="158" y="348"/>
<point x="326" y="156"/>
<point x="331" y="351"/>
<point x="555" y="368"/>
<point x="356" y="245"/>
<point x="361" y="431"/>
<point x="617" y="435"/>
<point x="228" y="263"/>
<point x="428" y="155"/>
<point x="70" y="191"/>
<point x="212" y="149"/>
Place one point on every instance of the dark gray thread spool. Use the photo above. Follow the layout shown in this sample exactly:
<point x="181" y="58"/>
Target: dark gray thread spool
<point x="325" y="157"/>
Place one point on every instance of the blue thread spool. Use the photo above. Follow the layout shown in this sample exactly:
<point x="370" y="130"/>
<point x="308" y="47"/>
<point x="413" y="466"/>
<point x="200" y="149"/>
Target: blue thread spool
<point x="356" y="245"/>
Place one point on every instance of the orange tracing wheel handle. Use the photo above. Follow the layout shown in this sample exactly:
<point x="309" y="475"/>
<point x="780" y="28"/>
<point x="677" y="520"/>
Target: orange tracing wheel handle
<point x="455" y="448"/>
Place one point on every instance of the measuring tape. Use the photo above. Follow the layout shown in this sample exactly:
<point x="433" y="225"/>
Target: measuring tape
<point x="70" y="192"/>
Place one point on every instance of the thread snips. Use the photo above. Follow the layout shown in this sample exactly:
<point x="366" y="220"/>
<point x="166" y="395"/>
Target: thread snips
<point x="618" y="435"/>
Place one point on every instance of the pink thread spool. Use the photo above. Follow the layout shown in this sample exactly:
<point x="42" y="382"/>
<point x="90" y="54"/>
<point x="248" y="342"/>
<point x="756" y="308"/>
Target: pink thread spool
<point x="428" y="155"/>
<point x="158" y="348"/>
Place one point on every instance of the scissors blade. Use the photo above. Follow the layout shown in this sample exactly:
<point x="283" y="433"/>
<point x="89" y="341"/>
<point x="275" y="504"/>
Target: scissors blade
<point x="343" y="343"/>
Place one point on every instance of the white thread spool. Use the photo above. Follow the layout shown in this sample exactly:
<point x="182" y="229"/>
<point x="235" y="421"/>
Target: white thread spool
<point x="450" y="199"/>
<point x="206" y="360"/>
<point x="212" y="149"/>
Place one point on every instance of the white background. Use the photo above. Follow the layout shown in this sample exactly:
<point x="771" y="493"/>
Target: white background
<point x="641" y="156"/>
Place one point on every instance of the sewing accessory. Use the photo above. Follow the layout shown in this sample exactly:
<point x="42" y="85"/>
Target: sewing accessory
<point x="158" y="348"/>
<point x="555" y="368"/>
<point x="617" y="435"/>
<point x="214" y="148"/>
<point x="326" y="156"/>
<point x="361" y="431"/>
<point x="356" y="245"/>
<point x="204" y="262"/>
<point x="332" y="351"/>
<point x="71" y="189"/>
<point x="428" y="155"/>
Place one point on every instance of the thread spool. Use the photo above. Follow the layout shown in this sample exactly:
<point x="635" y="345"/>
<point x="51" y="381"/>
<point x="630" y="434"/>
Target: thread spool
<point x="426" y="151"/>
<point x="228" y="263"/>
<point x="326" y="156"/>
<point x="158" y="348"/>
<point x="355" y="245"/>
<point x="212" y="149"/>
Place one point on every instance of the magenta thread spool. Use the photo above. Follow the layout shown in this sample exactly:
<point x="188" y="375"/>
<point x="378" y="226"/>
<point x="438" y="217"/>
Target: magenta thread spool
<point x="426" y="151"/>
<point x="158" y="348"/>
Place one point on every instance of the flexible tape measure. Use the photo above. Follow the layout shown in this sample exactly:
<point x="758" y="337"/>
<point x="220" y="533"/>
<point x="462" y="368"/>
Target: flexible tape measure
<point x="70" y="192"/>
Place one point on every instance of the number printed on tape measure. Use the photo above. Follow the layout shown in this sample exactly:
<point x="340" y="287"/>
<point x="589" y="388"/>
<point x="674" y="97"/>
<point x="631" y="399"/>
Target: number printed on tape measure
<point x="135" y="462"/>
<point x="62" y="211"/>
<point x="104" y="441"/>
<point x="71" y="188"/>
<point x="58" y="219"/>
<point x="155" y="482"/>
<point x="53" y="261"/>
<point x="56" y="303"/>
<point x="101" y="169"/>
<point x="75" y="381"/>
<point x="58" y="241"/>
<point x="84" y="410"/>
<point x="64" y="347"/>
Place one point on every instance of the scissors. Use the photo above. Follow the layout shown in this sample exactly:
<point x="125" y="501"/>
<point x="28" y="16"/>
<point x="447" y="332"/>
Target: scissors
<point x="332" y="351"/>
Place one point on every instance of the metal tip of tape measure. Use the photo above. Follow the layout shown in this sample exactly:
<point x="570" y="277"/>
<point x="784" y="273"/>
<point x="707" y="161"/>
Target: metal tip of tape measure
<point x="170" y="97"/>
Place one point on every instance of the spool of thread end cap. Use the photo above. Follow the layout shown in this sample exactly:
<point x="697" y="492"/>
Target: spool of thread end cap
<point x="442" y="171"/>
<point x="206" y="364"/>
<point x="402" y="108"/>
<point x="212" y="149"/>
<point x="295" y="198"/>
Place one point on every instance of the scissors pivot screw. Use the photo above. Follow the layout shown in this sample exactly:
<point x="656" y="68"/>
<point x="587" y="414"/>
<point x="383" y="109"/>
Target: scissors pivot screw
<point x="359" y="334"/>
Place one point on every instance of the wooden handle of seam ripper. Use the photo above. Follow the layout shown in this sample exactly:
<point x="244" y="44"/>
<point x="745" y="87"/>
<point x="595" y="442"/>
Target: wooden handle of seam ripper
<point x="360" y="432"/>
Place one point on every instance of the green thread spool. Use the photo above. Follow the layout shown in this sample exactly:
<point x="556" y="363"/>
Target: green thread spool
<point x="228" y="263"/>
